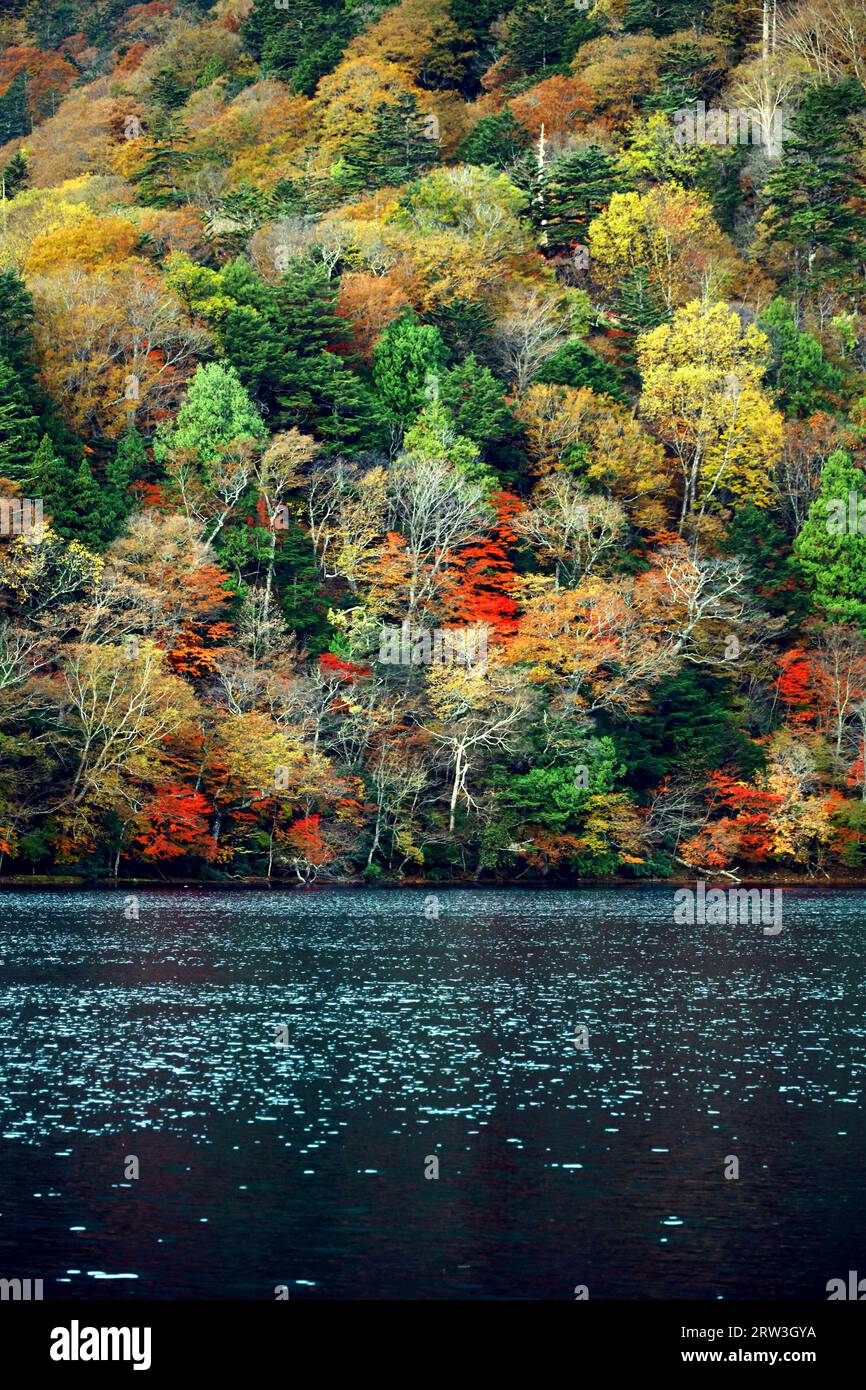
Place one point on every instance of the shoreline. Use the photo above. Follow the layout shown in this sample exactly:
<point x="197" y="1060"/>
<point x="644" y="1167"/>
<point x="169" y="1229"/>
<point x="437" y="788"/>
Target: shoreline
<point x="37" y="883"/>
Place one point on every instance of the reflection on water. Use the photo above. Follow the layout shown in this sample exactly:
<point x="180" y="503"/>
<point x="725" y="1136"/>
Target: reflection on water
<point x="284" y="1065"/>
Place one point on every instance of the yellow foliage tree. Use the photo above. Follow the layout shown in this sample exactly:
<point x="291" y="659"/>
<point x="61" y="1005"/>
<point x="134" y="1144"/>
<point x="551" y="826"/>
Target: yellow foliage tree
<point x="577" y="429"/>
<point x="702" y="393"/>
<point x="89" y="241"/>
<point x="419" y="37"/>
<point x="458" y="228"/>
<point x="668" y="232"/>
<point x="347" y="96"/>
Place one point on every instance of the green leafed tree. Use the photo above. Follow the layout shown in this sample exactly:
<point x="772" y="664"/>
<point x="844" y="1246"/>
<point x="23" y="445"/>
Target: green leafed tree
<point x="499" y="140"/>
<point x="16" y="333"/>
<point x="301" y="42"/>
<point x="130" y="465"/>
<point x="160" y="175"/>
<point x="817" y="194"/>
<point x="53" y="477"/>
<point x="16" y="175"/>
<point x="91" y="510"/>
<point x="395" y="150"/>
<point x="830" y="550"/>
<point x="804" y="379"/>
<point x="576" y="187"/>
<point x="19" y="428"/>
<point x="216" y="412"/>
<point x="577" y="365"/>
<point x="407" y="362"/>
<point x="545" y="34"/>
<point x="14" y="112"/>
<point x="477" y="405"/>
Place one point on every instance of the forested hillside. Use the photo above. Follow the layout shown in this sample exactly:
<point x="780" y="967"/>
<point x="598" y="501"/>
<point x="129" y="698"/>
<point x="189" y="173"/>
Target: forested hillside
<point x="431" y="438"/>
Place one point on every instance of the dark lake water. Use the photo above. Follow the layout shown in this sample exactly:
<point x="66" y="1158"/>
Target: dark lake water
<point x="298" y="1157"/>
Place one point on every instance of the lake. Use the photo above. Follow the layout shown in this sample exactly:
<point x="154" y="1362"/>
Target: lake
<point x="284" y="1071"/>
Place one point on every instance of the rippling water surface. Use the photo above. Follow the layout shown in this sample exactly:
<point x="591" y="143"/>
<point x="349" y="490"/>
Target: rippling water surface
<point x="283" y="1066"/>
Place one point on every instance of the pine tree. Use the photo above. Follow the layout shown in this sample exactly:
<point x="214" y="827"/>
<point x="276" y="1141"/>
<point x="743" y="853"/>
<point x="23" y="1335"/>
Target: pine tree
<point x="304" y="302"/>
<point x="830" y="552"/>
<point x="577" y="365"/>
<point x="14" y="112"/>
<point x="129" y="465"/>
<point x="324" y="397"/>
<point x="16" y="175"/>
<point x="765" y="549"/>
<point x="52" y="478"/>
<point x="670" y="18"/>
<point x="543" y="34"/>
<point x="407" y="361"/>
<point x="576" y="187"/>
<point x="301" y="42"/>
<point x="816" y="196"/>
<point x="640" y="308"/>
<point x="477" y="405"/>
<point x="167" y="91"/>
<point x="395" y="151"/>
<point x="92" y="514"/>
<point x="804" y="379"/>
<point x="476" y="16"/>
<point x="498" y="140"/>
<point x="686" y="75"/>
<point x="19" y="428"/>
<point x="216" y="411"/>
<point x="168" y="158"/>
<point x="466" y="326"/>
<point x="299" y="584"/>
<point x="280" y="338"/>
<point x="16" y="334"/>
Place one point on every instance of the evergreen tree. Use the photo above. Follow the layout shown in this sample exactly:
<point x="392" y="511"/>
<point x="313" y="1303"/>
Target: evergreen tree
<point x="816" y="195"/>
<point x="687" y="74"/>
<point x="498" y="140"/>
<point x="477" y="405"/>
<point x="305" y="301"/>
<point x="302" y="599"/>
<point x="803" y="377"/>
<point x="16" y="333"/>
<point x="719" y="176"/>
<point x="164" y="166"/>
<point x="575" y="188"/>
<point x="395" y="151"/>
<point x="301" y="42"/>
<point x="640" y="308"/>
<point x="129" y="465"/>
<point x="321" y="395"/>
<point x="466" y="326"/>
<point x="14" y="112"/>
<point x="543" y="34"/>
<point x="765" y="549"/>
<point x="16" y="175"/>
<point x="53" y="478"/>
<point x="217" y="410"/>
<point x="577" y="365"/>
<point x="279" y="340"/>
<point x="19" y="428"/>
<point x="670" y="18"/>
<point x="690" y="728"/>
<point x="407" y="362"/>
<point x="92" y="515"/>
<point x="167" y="91"/>
<point x="51" y="24"/>
<point x="476" y="16"/>
<point x="830" y="553"/>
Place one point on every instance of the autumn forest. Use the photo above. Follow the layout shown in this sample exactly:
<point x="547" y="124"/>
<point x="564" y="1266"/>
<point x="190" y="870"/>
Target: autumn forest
<point x="432" y="440"/>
